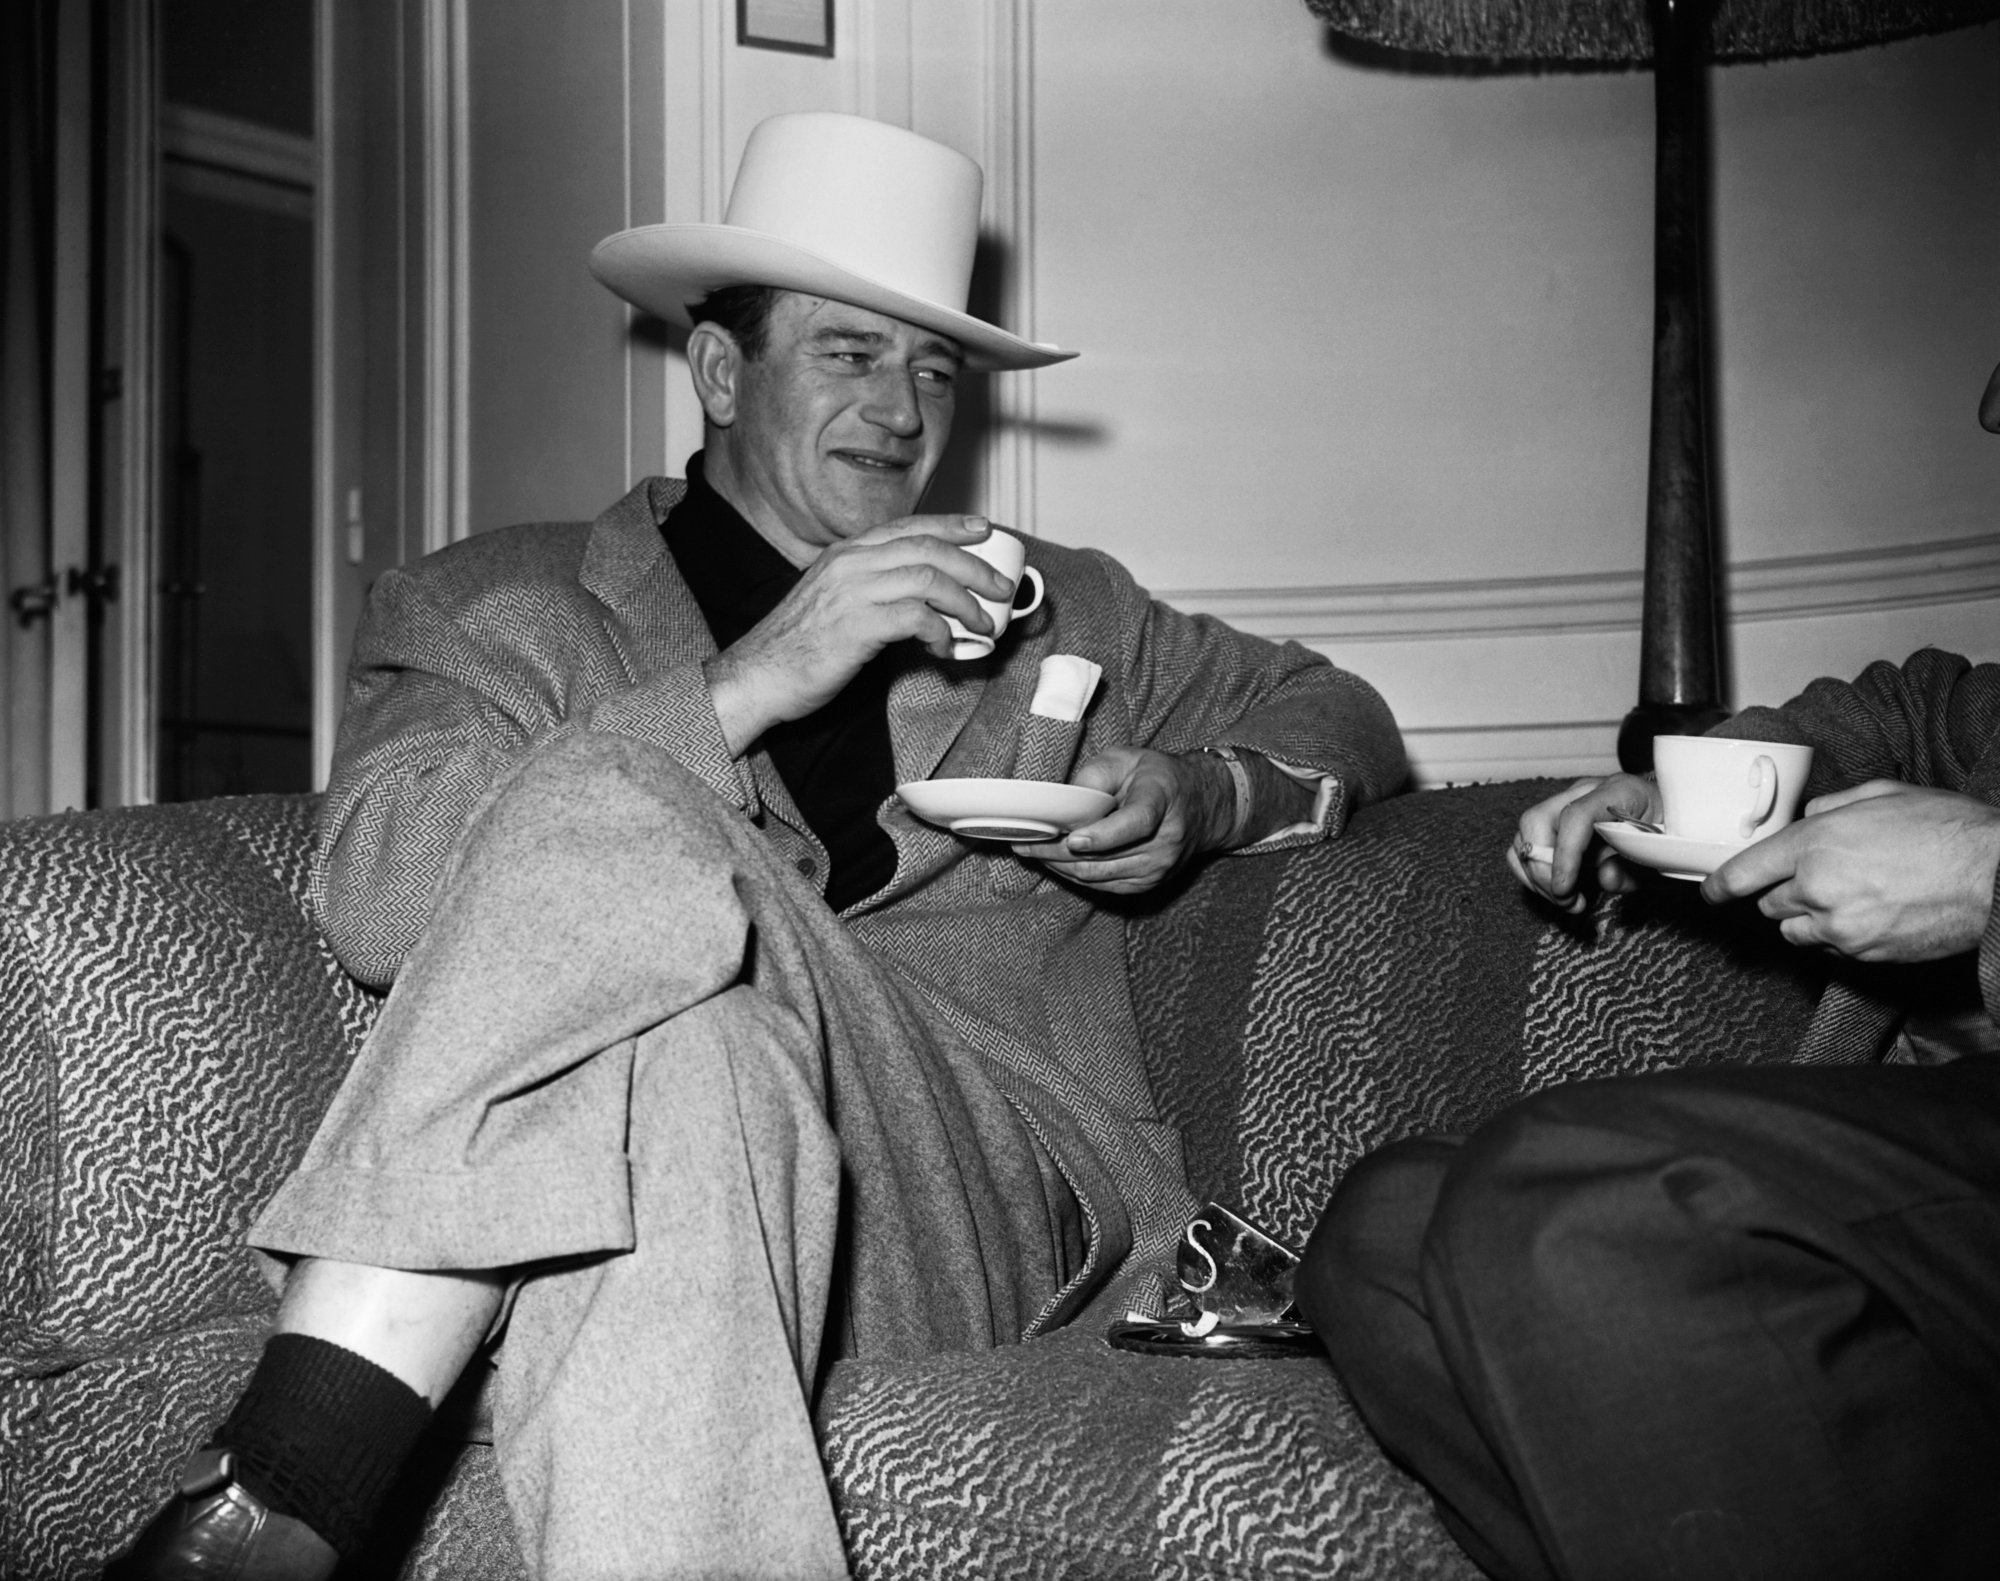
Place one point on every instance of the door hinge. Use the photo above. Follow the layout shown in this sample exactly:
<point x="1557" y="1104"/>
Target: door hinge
<point x="97" y="587"/>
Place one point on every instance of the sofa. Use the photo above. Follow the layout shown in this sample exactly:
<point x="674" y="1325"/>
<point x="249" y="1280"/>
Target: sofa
<point x="172" y="1025"/>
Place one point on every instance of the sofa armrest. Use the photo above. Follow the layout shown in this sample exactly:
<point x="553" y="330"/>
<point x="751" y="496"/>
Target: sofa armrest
<point x="171" y="1029"/>
<point x="1303" y="1009"/>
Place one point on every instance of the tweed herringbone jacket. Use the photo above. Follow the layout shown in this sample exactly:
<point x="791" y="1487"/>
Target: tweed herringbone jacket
<point x="475" y="654"/>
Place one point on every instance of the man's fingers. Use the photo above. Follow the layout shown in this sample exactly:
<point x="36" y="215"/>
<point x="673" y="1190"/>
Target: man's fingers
<point x="931" y="560"/>
<point x="1801" y="929"/>
<point x="1538" y="823"/>
<point x="1868" y="790"/>
<point x="1101" y="771"/>
<point x="937" y="638"/>
<point x="1756" y="868"/>
<point x="945" y="549"/>
<point x="1781" y="901"/>
<point x="1575" y="831"/>
<point x="904" y="593"/>
<point x="1532" y="869"/>
<point x="1614" y="877"/>
<point x="957" y="527"/>
<point x="1571" y="820"/>
<point x="1132" y="824"/>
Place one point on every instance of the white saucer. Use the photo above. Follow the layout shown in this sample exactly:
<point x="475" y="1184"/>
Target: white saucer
<point x="1671" y="855"/>
<point x="1016" y="810"/>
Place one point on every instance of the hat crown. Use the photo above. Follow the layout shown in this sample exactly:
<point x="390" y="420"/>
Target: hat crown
<point x="874" y="199"/>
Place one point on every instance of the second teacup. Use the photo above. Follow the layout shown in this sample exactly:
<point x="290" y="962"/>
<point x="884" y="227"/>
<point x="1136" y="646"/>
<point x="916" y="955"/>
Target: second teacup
<point x="1728" y="792"/>
<point x="1009" y="556"/>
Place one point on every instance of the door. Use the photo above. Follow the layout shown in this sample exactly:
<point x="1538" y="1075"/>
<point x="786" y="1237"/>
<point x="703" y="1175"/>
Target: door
<point x="232" y="684"/>
<point x="241" y="274"/>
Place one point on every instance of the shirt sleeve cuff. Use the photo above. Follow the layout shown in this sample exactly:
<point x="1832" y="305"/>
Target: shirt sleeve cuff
<point x="1328" y="809"/>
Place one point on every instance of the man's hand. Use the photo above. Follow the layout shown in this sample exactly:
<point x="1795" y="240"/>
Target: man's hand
<point x="891" y="583"/>
<point x="1882" y="872"/>
<point x="1549" y="850"/>
<point x="1165" y="811"/>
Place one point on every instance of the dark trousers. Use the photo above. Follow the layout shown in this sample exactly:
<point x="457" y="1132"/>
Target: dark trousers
<point x="1702" y="1324"/>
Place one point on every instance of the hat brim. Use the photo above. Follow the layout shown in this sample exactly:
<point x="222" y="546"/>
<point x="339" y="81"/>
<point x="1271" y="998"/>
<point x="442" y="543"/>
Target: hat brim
<point x="663" y="269"/>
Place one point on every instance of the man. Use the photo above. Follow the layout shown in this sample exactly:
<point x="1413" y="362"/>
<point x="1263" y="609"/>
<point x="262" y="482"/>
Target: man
<point x="704" y="1059"/>
<point x="1735" y="1322"/>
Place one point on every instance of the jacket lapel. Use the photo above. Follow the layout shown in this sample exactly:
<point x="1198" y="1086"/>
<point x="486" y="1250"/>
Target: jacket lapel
<point x="930" y="706"/>
<point x="655" y="621"/>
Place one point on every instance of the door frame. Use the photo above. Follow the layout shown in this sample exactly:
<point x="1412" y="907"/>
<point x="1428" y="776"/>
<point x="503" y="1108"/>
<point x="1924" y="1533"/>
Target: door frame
<point x="389" y="193"/>
<point x="74" y="405"/>
<point x="124" y="691"/>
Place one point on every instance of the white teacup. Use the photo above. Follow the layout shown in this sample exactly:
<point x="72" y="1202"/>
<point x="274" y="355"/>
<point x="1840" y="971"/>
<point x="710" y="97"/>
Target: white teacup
<point x="1009" y="556"/>
<point x="1728" y="792"/>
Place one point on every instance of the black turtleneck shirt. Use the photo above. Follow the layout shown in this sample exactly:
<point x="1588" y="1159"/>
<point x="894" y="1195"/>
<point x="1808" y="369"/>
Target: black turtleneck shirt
<point x="837" y="764"/>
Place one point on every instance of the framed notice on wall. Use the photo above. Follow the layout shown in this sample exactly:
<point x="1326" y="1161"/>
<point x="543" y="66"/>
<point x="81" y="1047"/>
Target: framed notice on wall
<point x="804" y="27"/>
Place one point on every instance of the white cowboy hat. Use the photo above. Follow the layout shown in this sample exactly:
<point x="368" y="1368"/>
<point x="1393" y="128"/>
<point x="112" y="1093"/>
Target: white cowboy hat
<point x="834" y="206"/>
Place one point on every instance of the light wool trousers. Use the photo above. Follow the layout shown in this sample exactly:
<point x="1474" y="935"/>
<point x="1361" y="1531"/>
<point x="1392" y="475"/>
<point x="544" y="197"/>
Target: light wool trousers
<point x="635" y="1058"/>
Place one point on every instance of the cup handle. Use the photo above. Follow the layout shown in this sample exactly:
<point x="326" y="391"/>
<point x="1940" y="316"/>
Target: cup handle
<point x="1764" y="783"/>
<point x="1028" y="573"/>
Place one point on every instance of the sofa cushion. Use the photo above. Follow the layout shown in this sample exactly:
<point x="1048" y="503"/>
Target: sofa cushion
<point x="90" y="1453"/>
<point x="91" y="1450"/>
<point x="1063" y="1457"/>
<point x="1300" y="1010"/>
<point x="171" y="1028"/>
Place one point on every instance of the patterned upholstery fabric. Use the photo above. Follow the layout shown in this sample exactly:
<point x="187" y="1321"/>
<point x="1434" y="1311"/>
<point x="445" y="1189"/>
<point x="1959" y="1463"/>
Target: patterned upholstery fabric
<point x="171" y="1026"/>
<point x="1298" y="1011"/>
<point x="1066" y="1458"/>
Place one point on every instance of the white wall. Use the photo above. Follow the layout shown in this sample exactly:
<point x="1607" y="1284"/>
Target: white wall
<point x="1347" y="325"/>
<point x="1365" y="351"/>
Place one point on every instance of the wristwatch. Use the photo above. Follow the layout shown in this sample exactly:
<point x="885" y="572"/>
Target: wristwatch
<point x="1239" y="778"/>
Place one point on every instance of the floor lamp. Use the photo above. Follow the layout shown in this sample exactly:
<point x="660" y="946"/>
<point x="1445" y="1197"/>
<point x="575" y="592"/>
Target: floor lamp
<point x="1679" y="645"/>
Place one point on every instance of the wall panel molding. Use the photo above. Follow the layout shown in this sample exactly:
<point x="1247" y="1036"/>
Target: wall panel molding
<point x="1946" y="571"/>
<point x="132" y="503"/>
<point x="1009" y="163"/>
<point x="446" y="198"/>
<point x="1468" y="754"/>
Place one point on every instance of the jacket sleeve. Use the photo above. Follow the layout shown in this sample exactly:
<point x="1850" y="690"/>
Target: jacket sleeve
<point x="1927" y="721"/>
<point x="1192" y="681"/>
<point x="1989" y="959"/>
<point x="438" y="709"/>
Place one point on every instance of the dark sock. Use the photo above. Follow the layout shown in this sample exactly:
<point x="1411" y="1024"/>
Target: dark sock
<point x="320" y="1435"/>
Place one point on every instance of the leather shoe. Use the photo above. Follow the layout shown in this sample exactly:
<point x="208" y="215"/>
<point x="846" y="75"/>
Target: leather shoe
<point x="215" y="1529"/>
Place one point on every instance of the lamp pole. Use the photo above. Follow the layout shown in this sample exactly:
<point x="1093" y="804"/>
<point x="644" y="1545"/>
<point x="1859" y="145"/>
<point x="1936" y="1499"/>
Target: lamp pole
<point x="1680" y="689"/>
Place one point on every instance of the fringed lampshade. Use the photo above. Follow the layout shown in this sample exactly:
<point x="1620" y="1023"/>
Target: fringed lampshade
<point x="1679" y="653"/>
<point x="1609" y="31"/>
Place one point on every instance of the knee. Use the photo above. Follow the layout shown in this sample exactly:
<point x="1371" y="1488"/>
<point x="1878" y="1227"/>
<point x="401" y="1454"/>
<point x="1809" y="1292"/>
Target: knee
<point x="1364" y="1250"/>
<point x="1570" y="1201"/>
<point x="587" y="800"/>
<point x="593" y="776"/>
